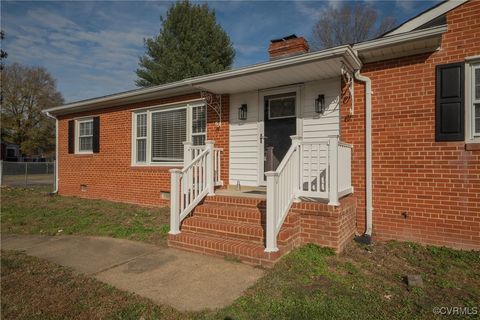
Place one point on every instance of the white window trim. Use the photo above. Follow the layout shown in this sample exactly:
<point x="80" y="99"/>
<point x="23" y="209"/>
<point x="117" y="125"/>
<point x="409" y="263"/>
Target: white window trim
<point x="470" y="66"/>
<point x="77" y="136"/>
<point x="162" y="108"/>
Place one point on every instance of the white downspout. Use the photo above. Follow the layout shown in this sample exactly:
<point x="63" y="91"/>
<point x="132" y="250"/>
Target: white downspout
<point x="368" y="150"/>
<point x="56" y="151"/>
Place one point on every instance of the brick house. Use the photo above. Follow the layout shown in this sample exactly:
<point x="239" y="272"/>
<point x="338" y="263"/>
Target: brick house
<point x="380" y="138"/>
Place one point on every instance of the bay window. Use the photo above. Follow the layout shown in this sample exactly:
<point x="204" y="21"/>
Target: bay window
<point x="159" y="133"/>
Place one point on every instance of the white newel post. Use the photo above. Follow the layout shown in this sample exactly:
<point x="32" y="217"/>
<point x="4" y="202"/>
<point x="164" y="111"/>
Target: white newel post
<point x="271" y="235"/>
<point x="296" y="141"/>
<point x="333" y="165"/>
<point x="175" y="175"/>
<point x="210" y="169"/>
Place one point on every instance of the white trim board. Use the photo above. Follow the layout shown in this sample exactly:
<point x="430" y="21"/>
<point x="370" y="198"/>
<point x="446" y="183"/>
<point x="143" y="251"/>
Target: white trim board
<point x="426" y="17"/>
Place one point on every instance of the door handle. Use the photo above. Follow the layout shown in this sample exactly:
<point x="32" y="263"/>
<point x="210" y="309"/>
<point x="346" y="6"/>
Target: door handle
<point x="262" y="137"/>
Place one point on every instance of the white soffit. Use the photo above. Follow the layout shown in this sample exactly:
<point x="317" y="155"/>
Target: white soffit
<point x="314" y="70"/>
<point x="415" y="42"/>
<point x="426" y="17"/>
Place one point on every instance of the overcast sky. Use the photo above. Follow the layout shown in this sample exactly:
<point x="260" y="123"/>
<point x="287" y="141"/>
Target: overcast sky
<point x="92" y="47"/>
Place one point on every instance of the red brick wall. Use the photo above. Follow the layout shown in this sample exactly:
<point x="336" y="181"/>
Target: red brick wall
<point x="328" y="226"/>
<point x="437" y="184"/>
<point x="109" y="174"/>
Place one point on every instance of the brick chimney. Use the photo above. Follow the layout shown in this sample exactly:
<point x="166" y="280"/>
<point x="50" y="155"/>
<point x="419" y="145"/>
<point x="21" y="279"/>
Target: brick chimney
<point x="287" y="47"/>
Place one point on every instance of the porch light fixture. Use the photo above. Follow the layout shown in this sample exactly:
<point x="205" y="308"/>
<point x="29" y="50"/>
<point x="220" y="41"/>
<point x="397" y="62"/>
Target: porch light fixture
<point x="242" y="112"/>
<point x="320" y="104"/>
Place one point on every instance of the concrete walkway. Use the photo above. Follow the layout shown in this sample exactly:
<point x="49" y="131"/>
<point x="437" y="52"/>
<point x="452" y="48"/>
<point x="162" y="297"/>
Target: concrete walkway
<point x="183" y="280"/>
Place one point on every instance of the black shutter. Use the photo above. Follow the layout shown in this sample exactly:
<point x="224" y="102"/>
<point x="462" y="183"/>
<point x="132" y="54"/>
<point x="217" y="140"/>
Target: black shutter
<point x="71" y="136"/>
<point x="96" y="135"/>
<point x="449" y="103"/>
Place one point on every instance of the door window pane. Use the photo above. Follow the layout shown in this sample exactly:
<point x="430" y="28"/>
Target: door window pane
<point x="281" y="107"/>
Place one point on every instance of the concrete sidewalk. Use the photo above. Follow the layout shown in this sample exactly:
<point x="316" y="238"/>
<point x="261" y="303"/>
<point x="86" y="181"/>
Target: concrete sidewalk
<point x="183" y="280"/>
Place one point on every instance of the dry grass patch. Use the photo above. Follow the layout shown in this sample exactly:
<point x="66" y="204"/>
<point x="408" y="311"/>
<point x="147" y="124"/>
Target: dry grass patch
<point x="34" y="211"/>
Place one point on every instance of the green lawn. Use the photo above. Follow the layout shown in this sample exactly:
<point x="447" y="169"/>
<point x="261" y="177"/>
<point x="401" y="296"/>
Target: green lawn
<point x="34" y="211"/>
<point x="309" y="283"/>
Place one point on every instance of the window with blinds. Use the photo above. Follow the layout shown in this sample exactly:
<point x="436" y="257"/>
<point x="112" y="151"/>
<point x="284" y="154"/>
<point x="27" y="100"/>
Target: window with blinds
<point x="169" y="131"/>
<point x="158" y="134"/>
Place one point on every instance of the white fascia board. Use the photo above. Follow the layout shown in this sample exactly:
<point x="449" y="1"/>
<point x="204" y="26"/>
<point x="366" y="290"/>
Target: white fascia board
<point x="195" y="83"/>
<point x="346" y="51"/>
<point x="426" y="17"/>
<point x="400" y="38"/>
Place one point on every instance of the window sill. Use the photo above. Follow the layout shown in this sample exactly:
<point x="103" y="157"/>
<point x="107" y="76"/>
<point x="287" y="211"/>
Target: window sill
<point x="156" y="167"/>
<point x="472" y="146"/>
<point x="85" y="154"/>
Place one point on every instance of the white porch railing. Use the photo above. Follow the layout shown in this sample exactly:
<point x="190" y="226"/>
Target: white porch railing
<point x="192" y="183"/>
<point x="191" y="151"/>
<point x="320" y="169"/>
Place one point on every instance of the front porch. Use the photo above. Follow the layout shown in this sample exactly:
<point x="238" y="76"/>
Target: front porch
<point x="306" y="199"/>
<point x="283" y="137"/>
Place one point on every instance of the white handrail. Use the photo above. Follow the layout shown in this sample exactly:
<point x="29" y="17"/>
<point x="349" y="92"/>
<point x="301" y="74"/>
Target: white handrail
<point x="314" y="169"/>
<point x="282" y="185"/>
<point x="190" y="185"/>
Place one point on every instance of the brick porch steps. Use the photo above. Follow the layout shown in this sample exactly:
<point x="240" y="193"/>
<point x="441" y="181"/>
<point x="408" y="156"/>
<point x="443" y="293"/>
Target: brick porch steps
<point x="231" y="226"/>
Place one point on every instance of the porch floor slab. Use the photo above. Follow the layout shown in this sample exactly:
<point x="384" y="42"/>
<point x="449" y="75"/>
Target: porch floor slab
<point x="184" y="280"/>
<point x="247" y="192"/>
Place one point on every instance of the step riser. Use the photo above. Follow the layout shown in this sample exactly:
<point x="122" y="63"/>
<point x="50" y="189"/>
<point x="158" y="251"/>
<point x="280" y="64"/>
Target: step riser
<point x="247" y="254"/>
<point x="253" y="216"/>
<point x="228" y="232"/>
<point x="236" y="201"/>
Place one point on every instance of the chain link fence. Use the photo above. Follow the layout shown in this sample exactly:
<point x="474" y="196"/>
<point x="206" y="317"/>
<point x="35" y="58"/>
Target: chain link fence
<point x="27" y="174"/>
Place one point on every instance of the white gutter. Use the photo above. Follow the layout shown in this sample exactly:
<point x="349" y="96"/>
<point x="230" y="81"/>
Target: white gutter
<point x="55" y="190"/>
<point x="390" y="40"/>
<point x="368" y="150"/>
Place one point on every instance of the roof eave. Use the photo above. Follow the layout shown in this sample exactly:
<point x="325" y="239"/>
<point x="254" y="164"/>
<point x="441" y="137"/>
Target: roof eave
<point x="365" y="48"/>
<point x="195" y="84"/>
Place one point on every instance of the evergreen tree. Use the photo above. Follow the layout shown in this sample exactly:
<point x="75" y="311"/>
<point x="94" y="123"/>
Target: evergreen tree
<point x="190" y="43"/>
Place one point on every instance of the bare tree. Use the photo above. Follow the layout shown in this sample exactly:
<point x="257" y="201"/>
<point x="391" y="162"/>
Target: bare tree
<point x="349" y="23"/>
<point x="26" y="91"/>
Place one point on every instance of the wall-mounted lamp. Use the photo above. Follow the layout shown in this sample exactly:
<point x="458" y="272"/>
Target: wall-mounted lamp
<point x="242" y="112"/>
<point x="320" y="104"/>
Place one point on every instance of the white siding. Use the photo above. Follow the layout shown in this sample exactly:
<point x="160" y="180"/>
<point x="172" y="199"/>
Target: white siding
<point x="244" y="140"/>
<point x="316" y="126"/>
<point x="244" y="158"/>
